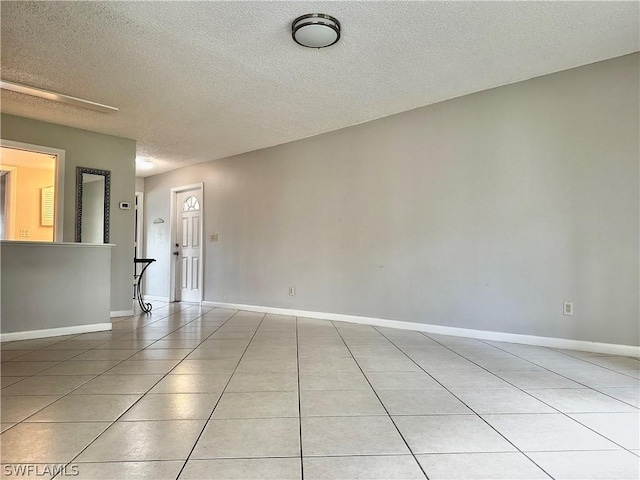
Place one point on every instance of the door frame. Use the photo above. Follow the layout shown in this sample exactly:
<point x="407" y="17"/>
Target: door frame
<point x="173" y="229"/>
<point x="59" y="185"/>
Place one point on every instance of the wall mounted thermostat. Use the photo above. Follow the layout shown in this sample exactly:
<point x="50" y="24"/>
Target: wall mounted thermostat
<point x="125" y="206"/>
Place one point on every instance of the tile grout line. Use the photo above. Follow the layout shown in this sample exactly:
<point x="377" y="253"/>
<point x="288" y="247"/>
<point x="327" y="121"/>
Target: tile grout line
<point x="148" y="390"/>
<point x="381" y="403"/>
<point x="299" y="401"/>
<point x="221" y="394"/>
<point x="524" y="391"/>
<point x="90" y="380"/>
<point x="461" y="401"/>
<point x="586" y="387"/>
<point x="547" y="369"/>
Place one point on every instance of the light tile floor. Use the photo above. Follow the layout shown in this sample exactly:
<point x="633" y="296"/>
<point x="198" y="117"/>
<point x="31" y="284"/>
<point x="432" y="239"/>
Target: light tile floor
<point x="202" y="393"/>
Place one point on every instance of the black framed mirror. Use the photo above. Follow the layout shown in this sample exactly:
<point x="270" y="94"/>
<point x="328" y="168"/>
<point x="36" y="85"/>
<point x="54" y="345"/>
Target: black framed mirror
<point x="93" y="188"/>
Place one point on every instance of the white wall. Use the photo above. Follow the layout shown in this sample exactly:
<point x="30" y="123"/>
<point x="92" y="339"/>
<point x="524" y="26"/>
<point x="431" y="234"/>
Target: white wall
<point x="54" y="285"/>
<point x="483" y="212"/>
<point x="94" y="150"/>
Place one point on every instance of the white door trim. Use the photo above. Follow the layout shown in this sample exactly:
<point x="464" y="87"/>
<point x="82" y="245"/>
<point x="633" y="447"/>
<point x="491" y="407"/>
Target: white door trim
<point x="59" y="197"/>
<point x="173" y="230"/>
<point x="140" y="226"/>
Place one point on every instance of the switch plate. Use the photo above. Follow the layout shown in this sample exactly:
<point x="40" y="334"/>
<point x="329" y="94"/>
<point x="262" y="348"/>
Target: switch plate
<point x="292" y="291"/>
<point x="25" y="232"/>
<point x="567" y="308"/>
<point x="214" y="237"/>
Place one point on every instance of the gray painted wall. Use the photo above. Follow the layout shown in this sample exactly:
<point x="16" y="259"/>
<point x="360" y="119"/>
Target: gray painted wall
<point x="51" y="286"/>
<point x="93" y="150"/>
<point x="483" y="212"/>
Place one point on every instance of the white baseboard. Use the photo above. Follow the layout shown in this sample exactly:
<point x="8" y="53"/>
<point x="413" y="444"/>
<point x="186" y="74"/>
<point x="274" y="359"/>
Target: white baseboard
<point x="151" y="298"/>
<point x="121" y="313"/>
<point x="54" y="332"/>
<point x="608" y="348"/>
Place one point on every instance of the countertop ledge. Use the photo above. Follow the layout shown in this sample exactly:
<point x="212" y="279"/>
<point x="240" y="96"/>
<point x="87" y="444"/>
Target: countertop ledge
<point x="54" y="244"/>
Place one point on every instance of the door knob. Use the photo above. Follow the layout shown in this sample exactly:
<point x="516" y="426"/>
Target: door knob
<point x="176" y="253"/>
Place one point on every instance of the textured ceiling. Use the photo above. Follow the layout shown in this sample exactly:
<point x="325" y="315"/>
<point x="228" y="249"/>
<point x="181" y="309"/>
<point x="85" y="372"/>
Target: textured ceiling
<point x="198" y="81"/>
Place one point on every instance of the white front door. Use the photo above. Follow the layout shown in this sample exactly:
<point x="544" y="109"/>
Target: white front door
<point x="187" y="245"/>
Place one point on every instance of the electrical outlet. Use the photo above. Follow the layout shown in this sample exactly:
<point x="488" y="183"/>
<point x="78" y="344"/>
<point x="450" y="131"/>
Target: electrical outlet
<point x="25" y="232"/>
<point x="292" y="291"/>
<point x="567" y="308"/>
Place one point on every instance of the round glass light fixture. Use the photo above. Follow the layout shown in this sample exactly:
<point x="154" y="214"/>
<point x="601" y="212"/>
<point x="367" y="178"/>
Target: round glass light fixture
<point x="144" y="164"/>
<point x="315" y="30"/>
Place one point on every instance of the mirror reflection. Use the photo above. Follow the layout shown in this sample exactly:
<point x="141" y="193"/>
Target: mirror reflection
<point x="92" y="209"/>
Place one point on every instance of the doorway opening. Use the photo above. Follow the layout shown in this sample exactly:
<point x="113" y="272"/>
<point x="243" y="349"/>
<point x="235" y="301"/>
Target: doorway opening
<point x="31" y="192"/>
<point x="187" y="213"/>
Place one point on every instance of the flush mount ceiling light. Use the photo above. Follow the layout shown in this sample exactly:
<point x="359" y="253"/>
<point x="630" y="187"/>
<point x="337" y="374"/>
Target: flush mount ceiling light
<point x="56" y="97"/>
<point x="315" y="30"/>
<point x="144" y="164"/>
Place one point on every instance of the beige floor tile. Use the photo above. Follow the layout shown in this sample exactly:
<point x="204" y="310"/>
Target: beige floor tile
<point x="630" y="396"/>
<point x="76" y="345"/>
<point x="243" y="469"/>
<point x="263" y="382"/>
<point x="611" y="465"/>
<point x="249" y="438"/>
<point x="7" y="355"/>
<point x="536" y="379"/>
<point x="118" y="384"/>
<point x="547" y="432"/>
<point x="176" y="406"/>
<point x="329" y="364"/>
<point x="327" y="403"/>
<point x="272" y="365"/>
<point x="47" y="442"/>
<point x="144" y="367"/>
<point x="402" y="381"/>
<point x="469" y="379"/>
<point x="6" y="426"/>
<point x="421" y="402"/>
<point x="192" y="383"/>
<point x="220" y="365"/>
<point x="387" y="364"/>
<point x="501" y="400"/>
<point x="50" y="355"/>
<point x="621" y="428"/>
<point x="450" y="434"/>
<point x="580" y="400"/>
<point x="6" y="381"/>
<point x="392" y="467"/>
<point x="47" y="385"/>
<point x="333" y="381"/>
<point x="80" y="367"/>
<point x="105" y="355"/>
<point x="257" y="405"/>
<point x="160" y="470"/>
<point x="142" y="441"/>
<point x="16" y="408"/>
<point x="160" y="354"/>
<point x="474" y="466"/>
<point x="85" y="408"/>
<point x="329" y="436"/>
<point x="24" y="369"/>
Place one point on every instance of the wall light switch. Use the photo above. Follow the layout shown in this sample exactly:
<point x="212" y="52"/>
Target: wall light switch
<point x="214" y="237"/>
<point x="25" y="232"/>
<point x="292" y="291"/>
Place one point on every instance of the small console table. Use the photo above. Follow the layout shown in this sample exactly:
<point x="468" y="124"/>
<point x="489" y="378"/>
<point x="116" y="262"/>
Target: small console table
<point x="146" y="307"/>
